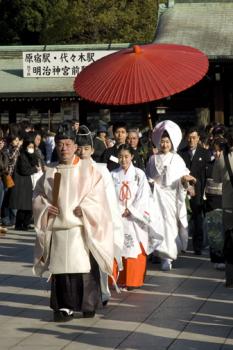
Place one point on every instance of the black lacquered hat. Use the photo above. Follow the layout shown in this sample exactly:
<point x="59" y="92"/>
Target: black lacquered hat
<point x="65" y="131"/>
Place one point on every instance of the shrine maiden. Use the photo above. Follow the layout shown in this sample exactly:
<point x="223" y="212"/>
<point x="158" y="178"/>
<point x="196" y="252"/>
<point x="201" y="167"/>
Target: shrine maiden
<point x="140" y="219"/>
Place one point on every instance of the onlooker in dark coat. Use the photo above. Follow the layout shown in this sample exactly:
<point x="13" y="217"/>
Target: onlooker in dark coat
<point x="3" y="171"/>
<point x="133" y="140"/>
<point x="110" y="155"/>
<point x="13" y="150"/>
<point x="213" y="208"/>
<point x="221" y="174"/>
<point x="3" y="168"/>
<point x="38" y="152"/>
<point x="20" y="196"/>
<point x="196" y="159"/>
<point x="99" y="144"/>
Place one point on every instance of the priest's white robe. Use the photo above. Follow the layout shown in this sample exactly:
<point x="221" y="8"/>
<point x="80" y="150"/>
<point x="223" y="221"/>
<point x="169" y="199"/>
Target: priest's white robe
<point x="63" y="243"/>
<point x="118" y="229"/>
<point x="166" y="170"/>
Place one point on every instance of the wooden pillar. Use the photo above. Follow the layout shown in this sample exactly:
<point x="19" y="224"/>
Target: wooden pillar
<point x="83" y="111"/>
<point x="12" y="115"/>
<point x="218" y="99"/>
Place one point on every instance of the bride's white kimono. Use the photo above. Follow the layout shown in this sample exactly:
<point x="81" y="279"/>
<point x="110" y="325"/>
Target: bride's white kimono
<point x="166" y="170"/>
<point x="143" y="225"/>
<point x="63" y="243"/>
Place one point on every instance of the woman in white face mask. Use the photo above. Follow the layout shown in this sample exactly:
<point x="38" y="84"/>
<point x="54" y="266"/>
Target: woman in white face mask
<point x="30" y="149"/>
<point x="20" y="197"/>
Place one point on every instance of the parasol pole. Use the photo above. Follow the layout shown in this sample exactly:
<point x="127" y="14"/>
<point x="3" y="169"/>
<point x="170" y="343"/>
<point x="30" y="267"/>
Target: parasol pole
<point x="49" y="119"/>
<point x="149" y="121"/>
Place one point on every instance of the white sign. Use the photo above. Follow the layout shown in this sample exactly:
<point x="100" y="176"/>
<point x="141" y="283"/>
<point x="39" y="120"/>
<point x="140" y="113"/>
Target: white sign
<point x="59" y="64"/>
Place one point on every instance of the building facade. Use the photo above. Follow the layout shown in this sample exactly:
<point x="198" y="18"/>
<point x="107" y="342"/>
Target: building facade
<point x="208" y="26"/>
<point x="45" y="95"/>
<point x="36" y="82"/>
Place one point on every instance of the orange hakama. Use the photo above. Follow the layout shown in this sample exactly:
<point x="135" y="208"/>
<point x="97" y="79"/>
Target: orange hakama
<point x="133" y="273"/>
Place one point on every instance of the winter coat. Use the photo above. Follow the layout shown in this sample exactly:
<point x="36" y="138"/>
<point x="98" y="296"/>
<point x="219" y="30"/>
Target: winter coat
<point x="20" y="196"/>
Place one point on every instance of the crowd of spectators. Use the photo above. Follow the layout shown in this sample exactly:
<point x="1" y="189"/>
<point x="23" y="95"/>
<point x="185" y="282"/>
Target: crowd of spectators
<point x="26" y="150"/>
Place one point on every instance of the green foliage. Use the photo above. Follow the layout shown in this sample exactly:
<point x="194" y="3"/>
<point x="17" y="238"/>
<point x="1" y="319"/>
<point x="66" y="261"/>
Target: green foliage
<point x="77" y="21"/>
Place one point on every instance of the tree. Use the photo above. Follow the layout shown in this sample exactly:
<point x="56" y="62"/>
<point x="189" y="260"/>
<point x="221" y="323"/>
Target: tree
<point x="25" y="20"/>
<point x="77" y="21"/>
<point x="105" y="21"/>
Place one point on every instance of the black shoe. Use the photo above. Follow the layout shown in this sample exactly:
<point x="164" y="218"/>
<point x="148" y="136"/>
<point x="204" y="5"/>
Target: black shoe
<point x="18" y="228"/>
<point x="27" y="228"/>
<point x="155" y="259"/>
<point x="88" y="314"/>
<point x="62" y="316"/>
<point x="8" y="225"/>
<point x="229" y="284"/>
<point x="131" y="288"/>
<point x="105" y="302"/>
<point x="198" y="252"/>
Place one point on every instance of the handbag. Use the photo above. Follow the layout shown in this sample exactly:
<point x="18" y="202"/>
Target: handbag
<point x="8" y="181"/>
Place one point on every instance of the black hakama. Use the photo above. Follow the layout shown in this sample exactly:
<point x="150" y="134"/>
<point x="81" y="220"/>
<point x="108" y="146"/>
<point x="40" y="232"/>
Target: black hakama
<point x="77" y="291"/>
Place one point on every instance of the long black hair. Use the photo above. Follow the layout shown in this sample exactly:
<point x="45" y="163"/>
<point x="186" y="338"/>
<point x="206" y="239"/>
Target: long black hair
<point x="84" y="136"/>
<point x="29" y="138"/>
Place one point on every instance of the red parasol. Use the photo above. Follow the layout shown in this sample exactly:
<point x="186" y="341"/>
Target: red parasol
<point x="141" y="74"/>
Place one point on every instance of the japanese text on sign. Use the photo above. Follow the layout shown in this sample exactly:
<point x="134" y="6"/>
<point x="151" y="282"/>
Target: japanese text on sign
<point x="59" y="64"/>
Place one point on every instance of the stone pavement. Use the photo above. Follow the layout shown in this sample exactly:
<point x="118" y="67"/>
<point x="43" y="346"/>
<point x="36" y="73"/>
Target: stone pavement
<point x="187" y="308"/>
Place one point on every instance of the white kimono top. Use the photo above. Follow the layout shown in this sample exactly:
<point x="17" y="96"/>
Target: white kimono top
<point x="143" y="225"/>
<point x="166" y="171"/>
<point x="63" y="243"/>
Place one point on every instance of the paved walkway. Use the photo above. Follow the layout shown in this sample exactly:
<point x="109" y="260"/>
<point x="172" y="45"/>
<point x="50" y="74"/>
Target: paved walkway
<point x="187" y="308"/>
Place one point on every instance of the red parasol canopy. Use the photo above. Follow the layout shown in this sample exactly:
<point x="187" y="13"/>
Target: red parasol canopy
<point x="141" y="74"/>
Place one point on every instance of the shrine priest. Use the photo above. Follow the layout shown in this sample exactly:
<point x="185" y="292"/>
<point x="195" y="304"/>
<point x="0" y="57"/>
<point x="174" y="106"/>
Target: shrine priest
<point x="74" y="230"/>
